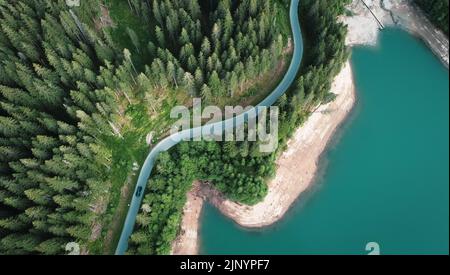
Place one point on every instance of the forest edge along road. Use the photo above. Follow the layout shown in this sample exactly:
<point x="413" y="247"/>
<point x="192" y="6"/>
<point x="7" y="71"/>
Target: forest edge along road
<point x="170" y="141"/>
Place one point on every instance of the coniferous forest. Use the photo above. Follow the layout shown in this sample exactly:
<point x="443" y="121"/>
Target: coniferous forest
<point x="80" y="91"/>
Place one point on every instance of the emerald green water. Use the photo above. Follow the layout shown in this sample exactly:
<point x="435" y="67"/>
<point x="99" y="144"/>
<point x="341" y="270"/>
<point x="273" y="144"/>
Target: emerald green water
<point x="385" y="178"/>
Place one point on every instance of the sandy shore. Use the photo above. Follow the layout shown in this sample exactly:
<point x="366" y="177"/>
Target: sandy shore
<point x="297" y="167"/>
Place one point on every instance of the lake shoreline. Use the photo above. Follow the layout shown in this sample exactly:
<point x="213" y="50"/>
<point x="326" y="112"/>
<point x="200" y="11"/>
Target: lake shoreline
<point x="295" y="172"/>
<point x="298" y="166"/>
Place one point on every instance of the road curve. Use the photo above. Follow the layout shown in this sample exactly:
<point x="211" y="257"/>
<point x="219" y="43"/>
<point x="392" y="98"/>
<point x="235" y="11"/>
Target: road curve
<point x="173" y="140"/>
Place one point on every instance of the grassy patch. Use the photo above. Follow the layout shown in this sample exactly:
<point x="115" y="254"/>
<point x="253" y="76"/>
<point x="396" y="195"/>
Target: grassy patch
<point x="128" y="151"/>
<point x="112" y="236"/>
<point x="125" y="19"/>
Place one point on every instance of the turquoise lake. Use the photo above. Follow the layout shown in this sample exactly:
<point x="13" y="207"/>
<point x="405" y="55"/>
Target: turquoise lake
<point x="384" y="178"/>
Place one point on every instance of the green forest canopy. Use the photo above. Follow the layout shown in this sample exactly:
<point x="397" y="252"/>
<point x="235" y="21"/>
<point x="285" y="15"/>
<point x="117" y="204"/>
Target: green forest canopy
<point x="75" y="108"/>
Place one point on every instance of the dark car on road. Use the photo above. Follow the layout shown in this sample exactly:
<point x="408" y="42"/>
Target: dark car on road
<point x="139" y="191"/>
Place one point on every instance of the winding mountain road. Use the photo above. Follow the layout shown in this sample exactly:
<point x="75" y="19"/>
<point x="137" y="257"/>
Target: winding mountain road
<point x="174" y="139"/>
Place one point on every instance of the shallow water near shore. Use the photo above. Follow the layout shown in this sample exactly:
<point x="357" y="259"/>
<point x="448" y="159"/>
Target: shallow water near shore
<point x="384" y="179"/>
